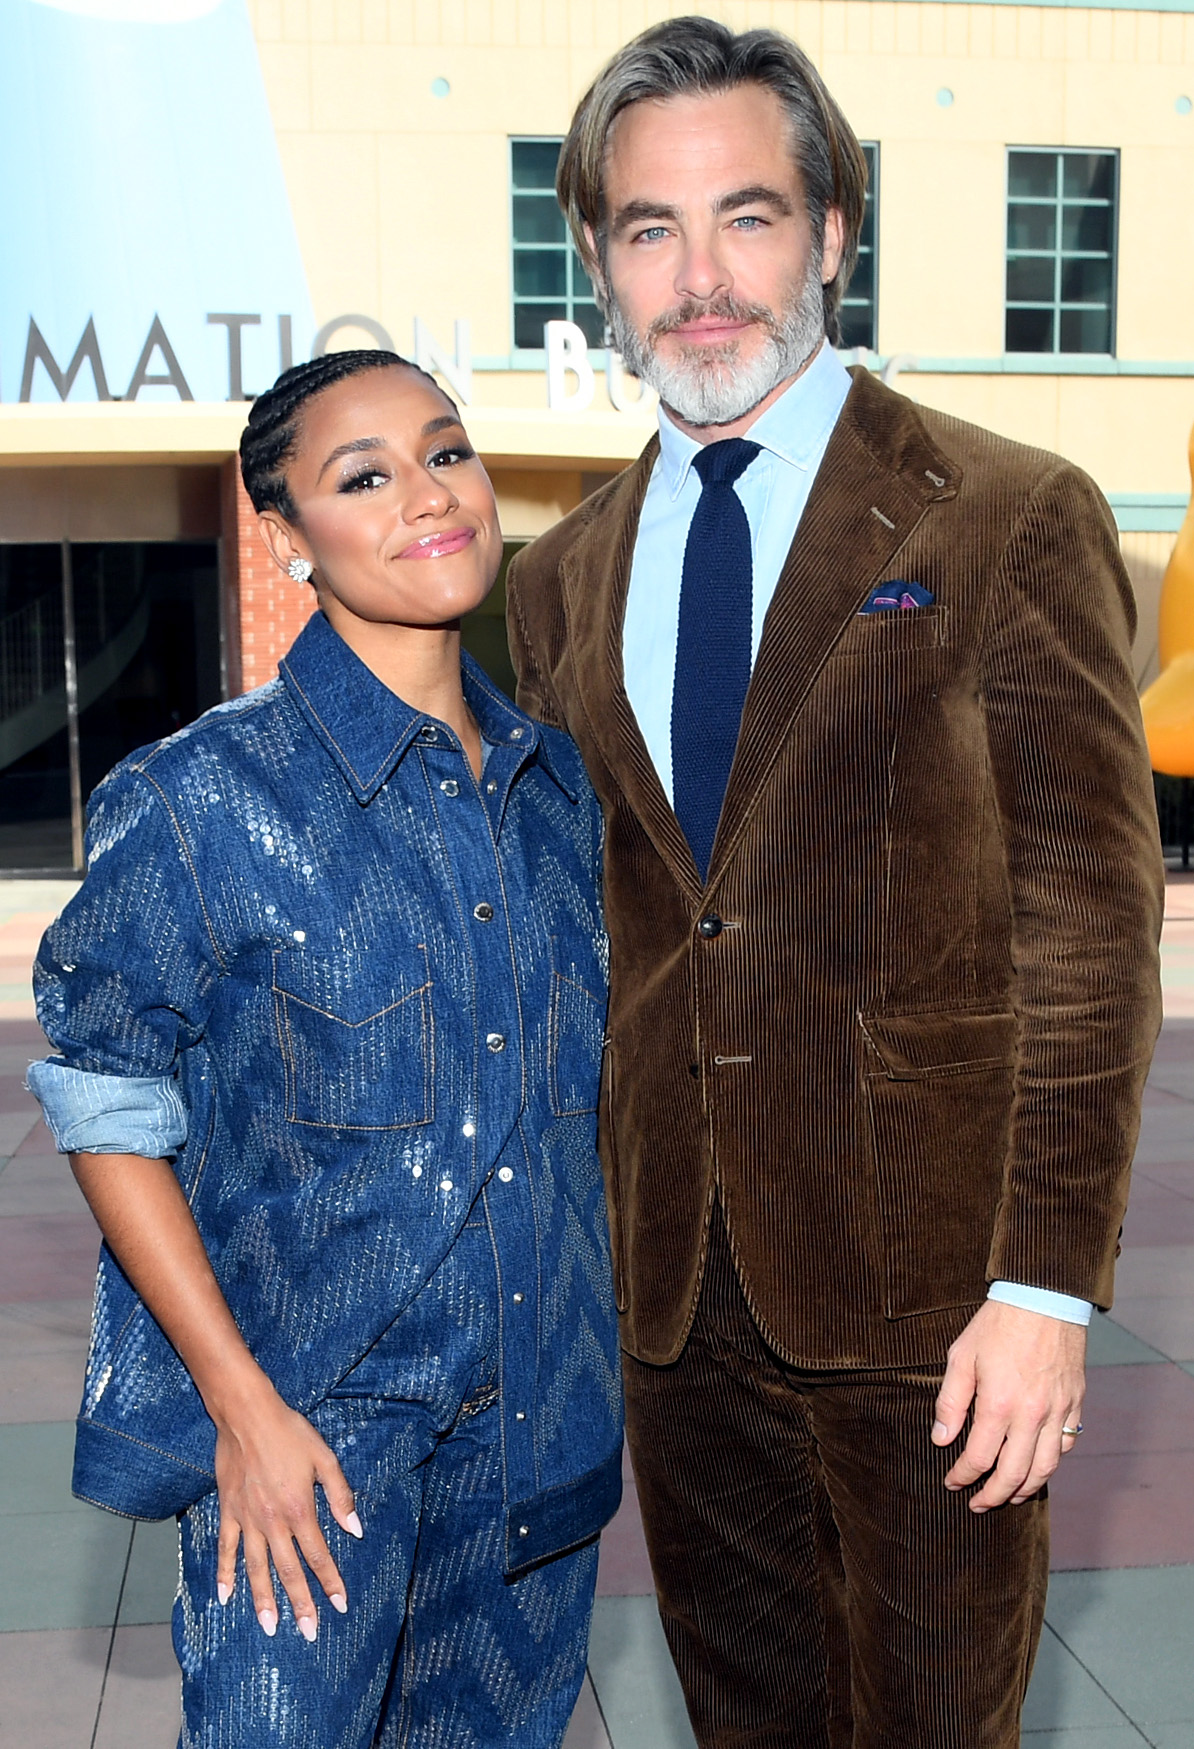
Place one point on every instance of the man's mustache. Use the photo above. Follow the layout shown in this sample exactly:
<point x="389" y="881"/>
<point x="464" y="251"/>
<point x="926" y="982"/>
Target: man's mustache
<point x="726" y="309"/>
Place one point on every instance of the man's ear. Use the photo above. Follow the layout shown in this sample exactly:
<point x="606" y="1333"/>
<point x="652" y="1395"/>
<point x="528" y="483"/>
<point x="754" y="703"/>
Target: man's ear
<point x="282" y="540"/>
<point x="834" y="246"/>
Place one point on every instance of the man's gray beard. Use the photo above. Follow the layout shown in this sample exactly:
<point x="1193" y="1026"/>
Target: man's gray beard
<point x="710" y="387"/>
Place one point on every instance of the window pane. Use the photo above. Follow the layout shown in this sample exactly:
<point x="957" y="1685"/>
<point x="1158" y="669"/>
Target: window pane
<point x="589" y="318"/>
<point x="529" y="320"/>
<point x="1030" y="331"/>
<point x="1086" y="282"/>
<point x="862" y="280"/>
<point x="534" y="163"/>
<point x="541" y="273"/>
<point x="1089" y="173"/>
<point x="1085" y="331"/>
<point x="1032" y="173"/>
<point x="1031" y="227"/>
<point x="538" y="219"/>
<point x="1030" y="279"/>
<point x="858" y="326"/>
<point x="1086" y="227"/>
<point x="582" y="285"/>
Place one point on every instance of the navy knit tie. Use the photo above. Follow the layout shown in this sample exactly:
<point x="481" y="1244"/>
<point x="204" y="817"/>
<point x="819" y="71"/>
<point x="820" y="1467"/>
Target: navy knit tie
<point x="713" y="646"/>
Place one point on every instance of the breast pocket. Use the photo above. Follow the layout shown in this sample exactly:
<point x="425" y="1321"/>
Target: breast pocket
<point x="359" y="1051"/>
<point x="575" y="1032"/>
<point x="894" y="632"/>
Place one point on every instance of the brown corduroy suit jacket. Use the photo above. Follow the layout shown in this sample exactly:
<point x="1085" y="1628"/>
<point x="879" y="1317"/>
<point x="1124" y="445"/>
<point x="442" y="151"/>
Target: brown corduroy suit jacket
<point x="911" y="1059"/>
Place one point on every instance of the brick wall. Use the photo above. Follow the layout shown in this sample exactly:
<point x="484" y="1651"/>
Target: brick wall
<point x="264" y="611"/>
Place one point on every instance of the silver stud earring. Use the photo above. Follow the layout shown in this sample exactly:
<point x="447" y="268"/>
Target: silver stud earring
<point x="300" y="569"/>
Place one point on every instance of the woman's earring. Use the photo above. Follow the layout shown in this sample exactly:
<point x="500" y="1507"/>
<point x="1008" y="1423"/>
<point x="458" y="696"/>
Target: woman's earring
<point x="300" y="569"/>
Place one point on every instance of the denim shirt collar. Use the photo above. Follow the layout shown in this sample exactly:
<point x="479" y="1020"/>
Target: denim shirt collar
<point x="367" y="729"/>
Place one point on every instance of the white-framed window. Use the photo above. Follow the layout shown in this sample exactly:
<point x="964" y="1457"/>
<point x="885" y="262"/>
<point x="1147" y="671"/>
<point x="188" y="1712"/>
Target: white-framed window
<point x="860" y="306"/>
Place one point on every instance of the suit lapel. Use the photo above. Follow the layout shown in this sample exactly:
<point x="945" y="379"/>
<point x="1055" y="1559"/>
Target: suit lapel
<point x="596" y="576"/>
<point x="879" y="475"/>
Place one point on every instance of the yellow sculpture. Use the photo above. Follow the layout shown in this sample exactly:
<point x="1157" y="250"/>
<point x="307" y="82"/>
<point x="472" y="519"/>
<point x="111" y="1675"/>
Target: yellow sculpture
<point x="1168" y="704"/>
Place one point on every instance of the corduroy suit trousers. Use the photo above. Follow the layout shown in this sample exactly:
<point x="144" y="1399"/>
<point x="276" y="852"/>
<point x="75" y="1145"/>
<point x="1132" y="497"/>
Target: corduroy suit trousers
<point x="819" y="1587"/>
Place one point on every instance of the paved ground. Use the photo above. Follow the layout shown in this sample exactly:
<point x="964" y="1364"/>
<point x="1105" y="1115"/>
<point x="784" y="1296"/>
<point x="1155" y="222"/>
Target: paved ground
<point x="85" y="1660"/>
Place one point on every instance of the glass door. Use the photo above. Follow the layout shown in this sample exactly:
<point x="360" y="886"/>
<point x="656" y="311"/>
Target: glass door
<point x="104" y="647"/>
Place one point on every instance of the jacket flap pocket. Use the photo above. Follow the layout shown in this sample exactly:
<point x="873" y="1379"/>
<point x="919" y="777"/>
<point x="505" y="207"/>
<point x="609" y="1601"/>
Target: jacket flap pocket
<point x="912" y="1047"/>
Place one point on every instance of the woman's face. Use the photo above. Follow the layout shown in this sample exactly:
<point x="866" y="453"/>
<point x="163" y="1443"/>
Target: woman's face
<point x="396" y="512"/>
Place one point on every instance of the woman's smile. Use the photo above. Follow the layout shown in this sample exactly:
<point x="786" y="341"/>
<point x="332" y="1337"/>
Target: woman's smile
<point x="438" y="546"/>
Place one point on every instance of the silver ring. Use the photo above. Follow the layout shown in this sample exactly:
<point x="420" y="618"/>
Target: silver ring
<point x="1073" y="1432"/>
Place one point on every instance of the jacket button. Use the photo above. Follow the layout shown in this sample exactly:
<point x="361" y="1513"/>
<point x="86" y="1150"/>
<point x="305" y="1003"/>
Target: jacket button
<point x="496" y="1041"/>
<point x="710" y="926"/>
<point x="483" y="912"/>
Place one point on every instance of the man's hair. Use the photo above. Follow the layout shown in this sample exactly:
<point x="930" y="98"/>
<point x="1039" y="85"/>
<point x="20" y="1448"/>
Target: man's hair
<point x="268" y="440"/>
<point x="691" y="56"/>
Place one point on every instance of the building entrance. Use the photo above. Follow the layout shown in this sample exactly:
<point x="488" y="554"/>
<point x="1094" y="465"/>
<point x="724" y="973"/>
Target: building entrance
<point x="104" y="646"/>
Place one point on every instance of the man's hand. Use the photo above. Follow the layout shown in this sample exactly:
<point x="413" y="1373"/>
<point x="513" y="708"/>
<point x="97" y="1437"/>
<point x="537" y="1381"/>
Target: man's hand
<point x="1025" y="1373"/>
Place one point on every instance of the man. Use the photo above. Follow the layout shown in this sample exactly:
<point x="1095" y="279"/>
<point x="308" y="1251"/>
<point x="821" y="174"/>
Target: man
<point x="883" y="891"/>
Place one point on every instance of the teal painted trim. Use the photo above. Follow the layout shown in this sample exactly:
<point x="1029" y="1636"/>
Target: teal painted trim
<point x="1148" y="512"/>
<point x="1050" y="364"/>
<point x="1087" y="5"/>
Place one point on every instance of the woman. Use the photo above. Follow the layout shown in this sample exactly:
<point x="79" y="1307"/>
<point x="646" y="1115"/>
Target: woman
<point x="328" y="1012"/>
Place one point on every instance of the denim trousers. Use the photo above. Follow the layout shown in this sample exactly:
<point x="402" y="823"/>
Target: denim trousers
<point x="438" y="1649"/>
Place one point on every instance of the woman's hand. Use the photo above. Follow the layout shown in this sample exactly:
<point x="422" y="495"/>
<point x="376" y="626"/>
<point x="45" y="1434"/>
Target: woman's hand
<point x="268" y="1460"/>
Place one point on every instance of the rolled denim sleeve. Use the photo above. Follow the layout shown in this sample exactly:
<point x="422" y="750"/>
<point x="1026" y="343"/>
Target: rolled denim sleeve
<point x="124" y="978"/>
<point x="109" y="1114"/>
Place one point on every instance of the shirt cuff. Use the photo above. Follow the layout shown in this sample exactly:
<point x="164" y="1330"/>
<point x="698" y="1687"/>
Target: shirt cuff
<point x="109" y="1114"/>
<point x="1041" y="1299"/>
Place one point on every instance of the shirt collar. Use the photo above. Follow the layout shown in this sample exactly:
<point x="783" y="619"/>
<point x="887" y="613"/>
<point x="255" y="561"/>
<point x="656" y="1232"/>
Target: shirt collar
<point x="368" y="729"/>
<point x="793" y="428"/>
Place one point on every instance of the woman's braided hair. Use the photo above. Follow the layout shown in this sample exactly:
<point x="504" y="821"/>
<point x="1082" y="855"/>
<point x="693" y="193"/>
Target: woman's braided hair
<point x="268" y="440"/>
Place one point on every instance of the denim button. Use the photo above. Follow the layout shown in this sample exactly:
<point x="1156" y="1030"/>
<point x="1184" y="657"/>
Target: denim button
<point x="450" y="786"/>
<point x="429" y="732"/>
<point x="524" y="1530"/>
<point x="468" y="1129"/>
<point x="483" y="912"/>
<point x="490" y="787"/>
<point x="518" y="1299"/>
<point x="516" y="734"/>
<point x="445" y="1184"/>
<point x="519" y="1415"/>
<point x="505" y="1174"/>
<point x="495" y="1041"/>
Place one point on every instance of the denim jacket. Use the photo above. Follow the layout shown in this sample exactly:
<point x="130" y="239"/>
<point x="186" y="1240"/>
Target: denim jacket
<point x="343" y="984"/>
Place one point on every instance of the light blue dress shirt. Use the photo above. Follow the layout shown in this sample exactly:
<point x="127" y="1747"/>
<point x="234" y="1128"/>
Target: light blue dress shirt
<point x="793" y="435"/>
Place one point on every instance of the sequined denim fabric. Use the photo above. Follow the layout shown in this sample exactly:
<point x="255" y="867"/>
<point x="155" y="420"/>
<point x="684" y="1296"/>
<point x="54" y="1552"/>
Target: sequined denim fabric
<point x="438" y="1650"/>
<point x="371" y="985"/>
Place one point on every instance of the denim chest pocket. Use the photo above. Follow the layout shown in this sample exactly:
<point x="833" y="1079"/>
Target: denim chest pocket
<point x="358" y="1049"/>
<point x="575" y="1032"/>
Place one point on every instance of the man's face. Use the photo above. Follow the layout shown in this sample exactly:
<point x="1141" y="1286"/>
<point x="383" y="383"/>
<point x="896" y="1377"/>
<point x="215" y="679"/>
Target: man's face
<point x="714" y="292"/>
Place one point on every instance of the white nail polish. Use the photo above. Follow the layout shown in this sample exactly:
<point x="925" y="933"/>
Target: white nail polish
<point x="223" y="1592"/>
<point x="339" y="1602"/>
<point x="269" y="1622"/>
<point x="308" y="1627"/>
<point x="352" y="1525"/>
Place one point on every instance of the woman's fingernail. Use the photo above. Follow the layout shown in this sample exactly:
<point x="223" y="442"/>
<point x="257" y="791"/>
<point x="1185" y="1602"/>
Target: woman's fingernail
<point x="223" y="1592"/>
<point x="352" y="1525"/>
<point x="308" y="1627"/>
<point x="269" y="1622"/>
<point x="339" y="1602"/>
